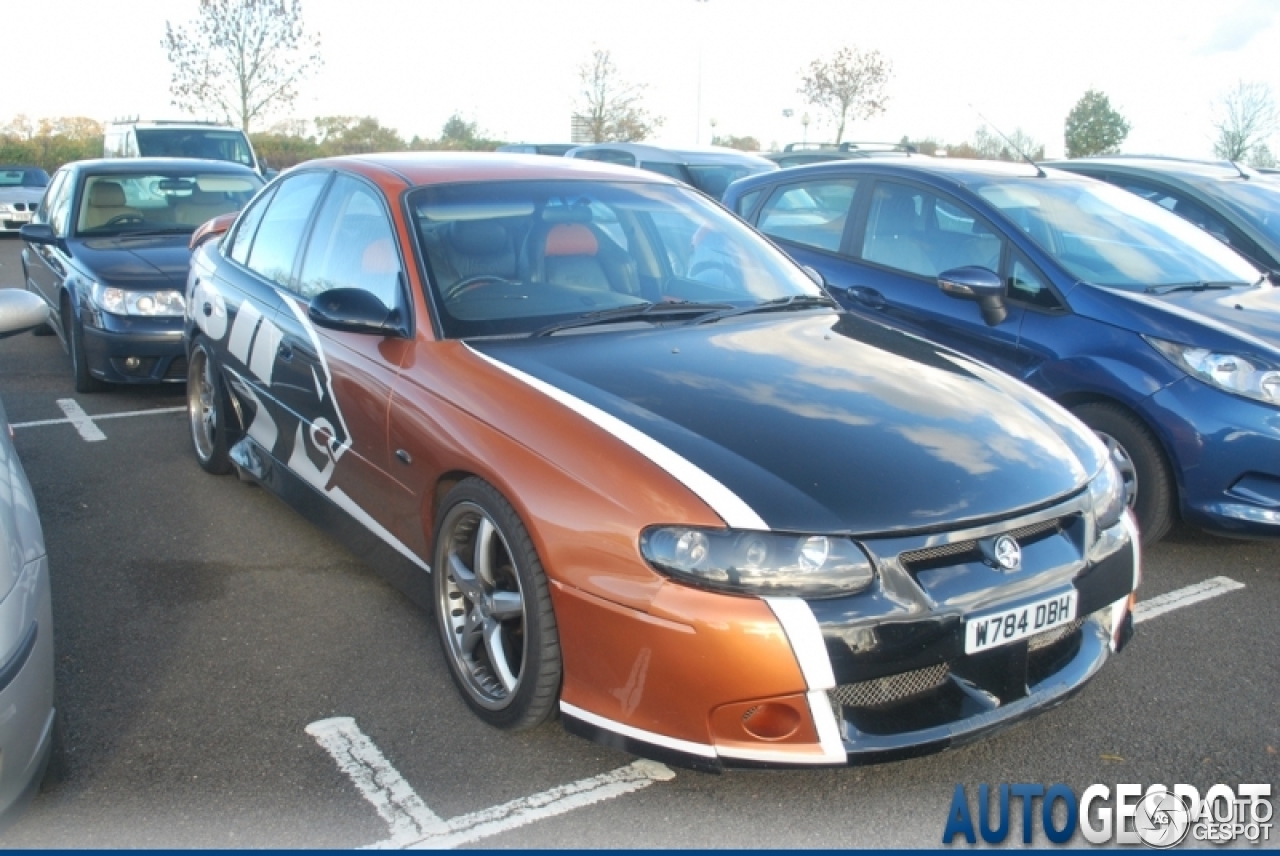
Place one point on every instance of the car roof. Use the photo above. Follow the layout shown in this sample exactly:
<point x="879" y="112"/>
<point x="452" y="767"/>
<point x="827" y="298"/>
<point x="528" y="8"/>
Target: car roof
<point x="425" y="168"/>
<point x="137" y="166"/>
<point x="1155" y="163"/>
<point x="686" y="155"/>
<point x="957" y="169"/>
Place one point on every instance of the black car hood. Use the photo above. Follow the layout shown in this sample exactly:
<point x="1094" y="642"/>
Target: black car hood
<point x="158" y="261"/>
<point x="825" y="422"/>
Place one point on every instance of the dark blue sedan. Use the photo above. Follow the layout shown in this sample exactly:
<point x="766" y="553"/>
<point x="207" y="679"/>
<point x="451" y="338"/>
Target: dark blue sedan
<point x="108" y="251"/>
<point x="1159" y="337"/>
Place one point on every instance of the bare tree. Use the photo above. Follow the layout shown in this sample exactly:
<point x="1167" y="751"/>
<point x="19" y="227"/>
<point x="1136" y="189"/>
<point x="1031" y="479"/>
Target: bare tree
<point x="849" y="86"/>
<point x="1246" y="117"/>
<point x="242" y="59"/>
<point x="609" y="107"/>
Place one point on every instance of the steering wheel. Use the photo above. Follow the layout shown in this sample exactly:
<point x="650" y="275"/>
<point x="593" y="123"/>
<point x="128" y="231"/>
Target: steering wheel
<point x="121" y="219"/>
<point x="473" y="282"/>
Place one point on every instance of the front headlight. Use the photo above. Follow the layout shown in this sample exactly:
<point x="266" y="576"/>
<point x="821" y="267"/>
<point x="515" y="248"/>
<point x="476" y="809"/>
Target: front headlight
<point x="1107" y="494"/>
<point x="1251" y="377"/>
<point x="759" y="563"/>
<point x="165" y="303"/>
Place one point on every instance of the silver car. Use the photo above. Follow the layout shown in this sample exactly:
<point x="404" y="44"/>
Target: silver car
<point x="26" y="613"/>
<point x="21" y="188"/>
<point x="710" y="169"/>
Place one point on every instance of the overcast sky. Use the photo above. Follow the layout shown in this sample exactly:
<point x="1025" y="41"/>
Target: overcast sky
<point x="511" y="65"/>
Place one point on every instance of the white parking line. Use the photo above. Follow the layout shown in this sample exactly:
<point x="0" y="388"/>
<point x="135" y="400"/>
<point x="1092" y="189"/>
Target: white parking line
<point x="85" y="423"/>
<point x="1186" y="596"/>
<point x="414" y="826"/>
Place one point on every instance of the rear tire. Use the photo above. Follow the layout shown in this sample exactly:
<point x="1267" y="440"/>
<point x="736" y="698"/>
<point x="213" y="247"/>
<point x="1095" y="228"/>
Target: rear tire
<point x="1148" y="480"/>
<point x="493" y="609"/>
<point x="209" y="411"/>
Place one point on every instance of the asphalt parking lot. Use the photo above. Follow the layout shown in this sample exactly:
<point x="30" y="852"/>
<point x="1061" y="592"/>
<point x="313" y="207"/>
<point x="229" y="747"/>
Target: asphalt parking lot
<point x="228" y="676"/>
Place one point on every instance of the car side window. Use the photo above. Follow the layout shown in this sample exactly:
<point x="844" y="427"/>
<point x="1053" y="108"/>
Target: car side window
<point x="813" y="213"/>
<point x="916" y="231"/>
<point x="55" y="200"/>
<point x="610" y="156"/>
<point x="351" y="246"/>
<point x="237" y="246"/>
<point x="275" y="247"/>
<point x="1026" y="285"/>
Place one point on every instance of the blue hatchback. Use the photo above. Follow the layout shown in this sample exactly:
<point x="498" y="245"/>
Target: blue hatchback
<point x="1157" y="336"/>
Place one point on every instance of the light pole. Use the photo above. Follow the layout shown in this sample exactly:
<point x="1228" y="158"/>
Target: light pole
<point x="697" y="122"/>
<point x="713" y="123"/>
<point x="804" y="121"/>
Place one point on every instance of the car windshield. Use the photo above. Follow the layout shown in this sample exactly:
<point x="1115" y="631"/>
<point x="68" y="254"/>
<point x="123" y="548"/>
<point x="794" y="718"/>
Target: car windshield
<point x="511" y="258"/>
<point x="1108" y="236"/>
<point x="173" y="201"/>
<point x="714" y="179"/>
<point x="23" y="177"/>
<point x="221" y="145"/>
<point x="1256" y="201"/>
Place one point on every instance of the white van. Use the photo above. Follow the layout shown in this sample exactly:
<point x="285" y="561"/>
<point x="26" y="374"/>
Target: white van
<point x="179" y="139"/>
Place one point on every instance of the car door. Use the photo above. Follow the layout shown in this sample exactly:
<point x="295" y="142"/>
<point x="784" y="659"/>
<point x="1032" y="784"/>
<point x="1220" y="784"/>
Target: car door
<point x="242" y="305"/>
<point x="46" y="264"/>
<point x="909" y="234"/>
<point x="339" y="382"/>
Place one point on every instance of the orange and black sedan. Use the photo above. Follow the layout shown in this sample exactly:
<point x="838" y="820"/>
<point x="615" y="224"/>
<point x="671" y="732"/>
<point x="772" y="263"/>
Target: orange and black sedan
<point x="646" y="474"/>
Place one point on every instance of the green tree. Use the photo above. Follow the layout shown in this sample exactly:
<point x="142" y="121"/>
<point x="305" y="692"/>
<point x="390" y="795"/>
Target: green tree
<point x="460" y="135"/>
<point x="354" y="135"/>
<point x="240" y="59"/>
<point x="987" y="145"/>
<point x="848" y="86"/>
<point x="1246" y="116"/>
<point x="608" y="106"/>
<point x="1094" y="127"/>
<point x="742" y="144"/>
<point x="51" y="142"/>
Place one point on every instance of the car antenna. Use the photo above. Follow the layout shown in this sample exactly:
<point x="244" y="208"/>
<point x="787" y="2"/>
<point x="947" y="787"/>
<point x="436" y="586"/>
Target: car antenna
<point x="1238" y="169"/>
<point x="1039" y="172"/>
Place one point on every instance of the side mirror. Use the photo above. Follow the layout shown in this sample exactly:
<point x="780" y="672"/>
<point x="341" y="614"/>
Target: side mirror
<point x="355" y="311"/>
<point x="38" y="233"/>
<point x="814" y="275"/>
<point x="21" y="311"/>
<point x="978" y="284"/>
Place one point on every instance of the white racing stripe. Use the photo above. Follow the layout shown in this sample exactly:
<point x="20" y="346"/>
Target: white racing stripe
<point x="99" y="417"/>
<point x="724" y="502"/>
<point x="379" y="782"/>
<point x="1179" y="598"/>
<point x="77" y="417"/>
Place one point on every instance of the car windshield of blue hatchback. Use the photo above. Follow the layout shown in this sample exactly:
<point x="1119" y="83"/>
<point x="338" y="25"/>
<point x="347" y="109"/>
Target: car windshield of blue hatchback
<point x="1110" y="237"/>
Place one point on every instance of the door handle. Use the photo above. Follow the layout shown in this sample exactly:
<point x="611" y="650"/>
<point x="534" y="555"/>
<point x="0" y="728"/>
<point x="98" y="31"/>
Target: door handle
<point x="866" y="296"/>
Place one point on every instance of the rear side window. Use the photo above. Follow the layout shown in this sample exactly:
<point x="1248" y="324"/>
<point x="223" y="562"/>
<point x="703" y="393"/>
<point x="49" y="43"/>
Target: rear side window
<point x="813" y="214"/>
<point x="275" y="247"/>
<point x="241" y="240"/>
<point x="351" y="246"/>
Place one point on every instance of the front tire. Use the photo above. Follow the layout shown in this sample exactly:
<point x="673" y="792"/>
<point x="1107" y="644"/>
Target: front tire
<point x="1148" y="481"/>
<point x="208" y="411"/>
<point x="493" y="609"/>
<point x="74" y="332"/>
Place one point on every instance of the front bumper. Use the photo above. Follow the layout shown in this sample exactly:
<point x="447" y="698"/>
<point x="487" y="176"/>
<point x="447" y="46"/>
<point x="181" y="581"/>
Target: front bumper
<point x="112" y="343"/>
<point x="880" y="676"/>
<point x="1226" y="451"/>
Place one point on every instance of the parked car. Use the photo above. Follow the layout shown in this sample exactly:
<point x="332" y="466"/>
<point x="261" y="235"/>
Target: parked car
<point x="27" y="726"/>
<point x="799" y="154"/>
<point x="1156" y="335"/>
<point x="709" y="169"/>
<point x="553" y="149"/>
<point x="645" y="472"/>
<point x="20" y="190"/>
<point x="1237" y="205"/>
<point x="108" y="251"/>
<point x="181" y="138"/>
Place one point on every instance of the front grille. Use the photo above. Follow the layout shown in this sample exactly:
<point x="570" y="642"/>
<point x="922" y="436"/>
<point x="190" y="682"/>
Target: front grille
<point x="887" y="690"/>
<point x="915" y="559"/>
<point x="1049" y="637"/>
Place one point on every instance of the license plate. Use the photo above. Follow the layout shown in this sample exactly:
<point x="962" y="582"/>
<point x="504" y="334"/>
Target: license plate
<point x="20" y="216"/>
<point x="1000" y="628"/>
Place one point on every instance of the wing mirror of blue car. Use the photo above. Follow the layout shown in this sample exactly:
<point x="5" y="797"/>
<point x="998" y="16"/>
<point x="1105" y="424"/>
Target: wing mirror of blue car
<point x="39" y="233"/>
<point x="354" y="310"/>
<point x="978" y="284"/>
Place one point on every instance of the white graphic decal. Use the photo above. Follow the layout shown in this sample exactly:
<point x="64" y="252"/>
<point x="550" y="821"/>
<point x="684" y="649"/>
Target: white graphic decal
<point x="246" y="322"/>
<point x="213" y="322"/>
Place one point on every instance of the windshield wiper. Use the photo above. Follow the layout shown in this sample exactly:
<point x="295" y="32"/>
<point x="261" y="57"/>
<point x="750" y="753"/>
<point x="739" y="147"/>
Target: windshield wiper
<point x="631" y="312"/>
<point x="777" y="304"/>
<point x="1194" y="286"/>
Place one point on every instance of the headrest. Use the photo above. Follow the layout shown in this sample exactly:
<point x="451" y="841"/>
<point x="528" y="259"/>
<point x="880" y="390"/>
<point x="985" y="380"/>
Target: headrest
<point x="579" y="213"/>
<point x="478" y="237"/>
<point x="205" y="197"/>
<point x="571" y="239"/>
<point x="379" y="257"/>
<point x="106" y="194"/>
